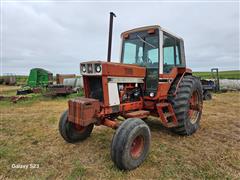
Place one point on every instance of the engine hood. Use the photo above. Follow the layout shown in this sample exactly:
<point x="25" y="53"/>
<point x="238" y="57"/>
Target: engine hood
<point x="113" y="69"/>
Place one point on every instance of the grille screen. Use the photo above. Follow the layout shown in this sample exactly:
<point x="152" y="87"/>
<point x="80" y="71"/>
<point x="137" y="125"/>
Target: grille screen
<point x="95" y="87"/>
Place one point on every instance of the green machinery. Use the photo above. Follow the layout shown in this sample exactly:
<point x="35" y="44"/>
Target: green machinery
<point x="39" y="77"/>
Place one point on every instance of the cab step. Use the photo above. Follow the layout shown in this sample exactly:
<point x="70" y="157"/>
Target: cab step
<point x="167" y="115"/>
<point x="170" y="125"/>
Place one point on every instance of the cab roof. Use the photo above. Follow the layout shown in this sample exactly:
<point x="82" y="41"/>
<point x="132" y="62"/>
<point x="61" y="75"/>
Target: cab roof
<point x="150" y="27"/>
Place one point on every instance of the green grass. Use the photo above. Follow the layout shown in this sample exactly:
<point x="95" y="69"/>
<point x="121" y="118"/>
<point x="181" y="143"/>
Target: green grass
<point x="29" y="134"/>
<point x="78" y="172"/>
<point x="32" y="98"/>
<point x="222" y="74"/>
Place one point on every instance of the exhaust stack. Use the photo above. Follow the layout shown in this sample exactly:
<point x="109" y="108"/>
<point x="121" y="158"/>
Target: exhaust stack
<point x="110" y="36"/>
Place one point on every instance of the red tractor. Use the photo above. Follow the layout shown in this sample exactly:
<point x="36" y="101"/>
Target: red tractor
<point x="151" y="80"/>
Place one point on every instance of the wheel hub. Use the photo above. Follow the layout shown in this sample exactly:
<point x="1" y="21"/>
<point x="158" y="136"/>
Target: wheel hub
<point x="194" y="107"/>
<point x="137" y="147"/>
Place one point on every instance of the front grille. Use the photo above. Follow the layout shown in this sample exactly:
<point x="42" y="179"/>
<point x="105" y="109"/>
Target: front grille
<point x="95" y="87"/>
<point x="90" y="68"/>
<point x="82" y="111"/>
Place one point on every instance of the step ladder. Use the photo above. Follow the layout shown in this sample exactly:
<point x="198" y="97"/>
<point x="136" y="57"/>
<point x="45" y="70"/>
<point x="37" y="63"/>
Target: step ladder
<point x="167" y="115"/>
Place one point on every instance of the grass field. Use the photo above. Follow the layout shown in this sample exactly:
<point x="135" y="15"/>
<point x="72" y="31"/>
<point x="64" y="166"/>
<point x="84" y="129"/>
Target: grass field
<point x="29" y="135"/>
<point x="8" y="90"/>
<point x="222" y="74"/>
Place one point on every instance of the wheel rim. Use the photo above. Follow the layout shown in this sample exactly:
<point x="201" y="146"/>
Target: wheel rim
<point x="137" y="147"/>
<point x="194" y="107"/>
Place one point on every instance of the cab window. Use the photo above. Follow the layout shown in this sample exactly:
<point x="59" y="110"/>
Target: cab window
<point x="171" y="53"/>
<point x="141" y="48"/>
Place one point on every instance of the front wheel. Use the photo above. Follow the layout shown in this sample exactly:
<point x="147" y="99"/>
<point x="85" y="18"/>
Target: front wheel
<point x="71" y="132"/>
<point x="130" y="144"/>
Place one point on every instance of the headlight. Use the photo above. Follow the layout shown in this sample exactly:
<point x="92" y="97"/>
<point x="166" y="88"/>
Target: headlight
<point x="84" y="68"/>
<point x="151" y="94"/>
<point x="98" y="68"/>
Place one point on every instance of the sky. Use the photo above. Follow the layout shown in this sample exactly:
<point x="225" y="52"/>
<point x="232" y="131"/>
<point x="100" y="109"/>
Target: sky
<point x="57" y="36"/>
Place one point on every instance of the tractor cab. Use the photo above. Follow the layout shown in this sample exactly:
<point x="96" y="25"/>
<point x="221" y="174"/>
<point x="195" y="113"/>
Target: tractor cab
<point x="154" y="48"/>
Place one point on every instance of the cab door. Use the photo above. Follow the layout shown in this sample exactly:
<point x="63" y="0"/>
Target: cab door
<point x="171" y="53"/>
<point x="152" y="67"/>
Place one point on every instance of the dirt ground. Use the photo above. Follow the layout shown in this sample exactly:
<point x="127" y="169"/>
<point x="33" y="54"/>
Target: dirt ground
<point x="29" y="135"/>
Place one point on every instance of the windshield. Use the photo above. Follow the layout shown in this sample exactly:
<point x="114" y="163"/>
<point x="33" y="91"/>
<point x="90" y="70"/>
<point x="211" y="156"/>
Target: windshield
<point x="141" y="48"/>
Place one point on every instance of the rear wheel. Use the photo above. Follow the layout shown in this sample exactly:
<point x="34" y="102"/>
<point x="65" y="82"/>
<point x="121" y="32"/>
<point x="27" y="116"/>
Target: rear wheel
<point x="187" y="104"/>
<point x="71" y="132"/>
<point x="130" y="144"/>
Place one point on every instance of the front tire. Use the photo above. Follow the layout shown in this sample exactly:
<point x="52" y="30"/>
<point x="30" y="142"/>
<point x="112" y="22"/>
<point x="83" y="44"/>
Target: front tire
<point x="71" y="132"/>
<point x="130" y="144"/>
<point x="187" y="104"/>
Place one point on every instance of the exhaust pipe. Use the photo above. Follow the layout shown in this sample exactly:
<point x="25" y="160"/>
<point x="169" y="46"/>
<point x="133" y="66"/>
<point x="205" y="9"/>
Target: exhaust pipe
<point x="110" y="36"/>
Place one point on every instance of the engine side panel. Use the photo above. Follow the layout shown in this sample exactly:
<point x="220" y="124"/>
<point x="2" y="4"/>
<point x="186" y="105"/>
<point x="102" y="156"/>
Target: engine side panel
<point x="123" y="70"/>
<point x="114" y="95"/>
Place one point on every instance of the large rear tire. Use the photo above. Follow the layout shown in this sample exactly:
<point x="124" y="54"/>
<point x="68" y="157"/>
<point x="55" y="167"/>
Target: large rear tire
<point x="71" y="132"/>
<point x="187" y="104"/>
<point x="130" y="144"/>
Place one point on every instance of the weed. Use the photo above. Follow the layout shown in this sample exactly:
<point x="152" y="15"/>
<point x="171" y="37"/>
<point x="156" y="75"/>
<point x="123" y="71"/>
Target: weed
<point x="78" y="171"/>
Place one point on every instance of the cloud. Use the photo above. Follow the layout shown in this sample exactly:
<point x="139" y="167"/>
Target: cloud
<point x="58" y="36"/>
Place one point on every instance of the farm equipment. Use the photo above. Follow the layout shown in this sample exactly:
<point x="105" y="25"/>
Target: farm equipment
<point x="150" y="80"/>
<point x="66" y="84"/>
<point x="60" y="77"/>
<point x="9" y="79"/>
<point x="59" y="90"/>
<point x="211" y="85"/>
<point x="13" y="99"/>
<point x="1" y="80"/>
<point x="215" y="77"/>
<point x="38" y="78"/>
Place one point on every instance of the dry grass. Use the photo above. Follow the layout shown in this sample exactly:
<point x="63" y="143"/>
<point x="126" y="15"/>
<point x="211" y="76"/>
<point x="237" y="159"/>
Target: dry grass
<point x="8" y="90"/>
<point x="29" y="134"/>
